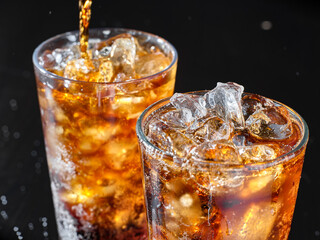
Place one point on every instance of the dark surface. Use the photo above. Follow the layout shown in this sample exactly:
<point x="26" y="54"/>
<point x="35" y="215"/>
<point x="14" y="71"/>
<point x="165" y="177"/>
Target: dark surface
<point x="220" y="41"/>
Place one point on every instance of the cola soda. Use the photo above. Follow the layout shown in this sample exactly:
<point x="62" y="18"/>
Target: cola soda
<point x="89" y="106"/>
<point x="221" y="164"/>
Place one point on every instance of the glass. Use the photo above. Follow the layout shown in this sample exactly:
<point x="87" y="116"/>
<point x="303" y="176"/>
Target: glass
<point x="202" y="199"/>
<point x="91" y="145"/>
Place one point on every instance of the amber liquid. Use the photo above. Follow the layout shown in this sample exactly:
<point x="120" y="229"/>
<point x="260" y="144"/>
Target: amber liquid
<point x="91" y="144"/>
<point x="84" y="20"/>
<point x="194" y="200"/>
<point x="92" y="148"/>
<point x="93" y="157"/>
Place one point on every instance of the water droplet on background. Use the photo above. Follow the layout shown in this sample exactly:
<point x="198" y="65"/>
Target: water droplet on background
<point x="36" y="143"/>
<point x="4" y="215"/>
<point x="22" y="188"/>
<point x="30" y="226"/>
<point x="34" y="153"/>
<point x="266" y="25"/>
<point x="3" y="199"/>
<point x="13" y="104"/>
<point x="16" y="135"/>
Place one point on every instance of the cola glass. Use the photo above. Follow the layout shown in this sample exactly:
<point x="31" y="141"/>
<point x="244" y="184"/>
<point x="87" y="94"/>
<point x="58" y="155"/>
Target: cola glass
<point x="91" y="145"/>
<point x="210" y="195"/>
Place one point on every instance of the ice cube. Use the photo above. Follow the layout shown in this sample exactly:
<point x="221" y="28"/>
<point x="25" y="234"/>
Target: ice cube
<point x="123" y="53"/>
<point x="177" y="119"/>
<point x="47" y="60"/>
<point x="63" y="55"/>
<point x="120" y="77"/>
<point x="256" y="223"/>
<point x="119" y="153"/>
<point x="81" y="69"/>
<point x="150" y="64"/>
<point x="258" y="153"/>
<point x="191" y="105"/>
<point x="128" y="106"/>
<point x="104" y="52"/>
<point x="213" y="129"/>
<point x="169" y="139"/>
<point x="218" y="151"/>
<point x="255" y="185"/>
<point x="177" y="186"/>
<point x="219" y="182"/>
<point x="107" y="43"/>
<point x="181" y="204"/>
<point x="240" y="139"/>
<point x="105" y="72"/>
<point x="270" y="124"/>
<point x="94" y="134"/>
<point x="88" y="147"/>
<point x="225" y="101"/>
<point x="253" y="102"/>
<point x="263" y="183"/>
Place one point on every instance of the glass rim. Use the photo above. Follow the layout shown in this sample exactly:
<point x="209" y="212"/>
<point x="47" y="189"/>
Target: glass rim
<point x="54" y="76"/>
<point x="251" y="166"/>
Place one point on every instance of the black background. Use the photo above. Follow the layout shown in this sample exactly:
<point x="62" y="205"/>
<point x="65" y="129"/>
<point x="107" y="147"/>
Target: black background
<point x="216" y="41"/>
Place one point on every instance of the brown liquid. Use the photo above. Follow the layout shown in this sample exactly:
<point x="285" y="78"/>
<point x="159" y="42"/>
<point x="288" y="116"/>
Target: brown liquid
<point x="92" y="149"/>
<point x="194" y="200"/>
<point x="84" y="20"/>
<point x="89" y="129"/>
